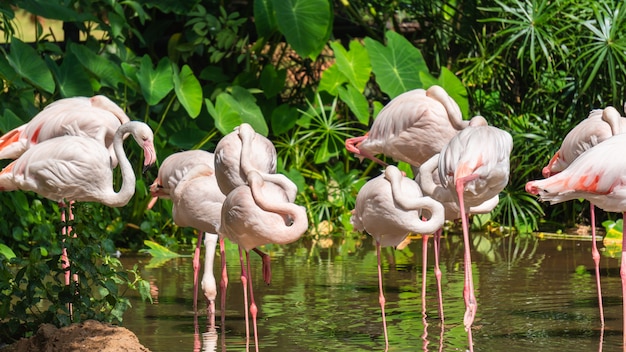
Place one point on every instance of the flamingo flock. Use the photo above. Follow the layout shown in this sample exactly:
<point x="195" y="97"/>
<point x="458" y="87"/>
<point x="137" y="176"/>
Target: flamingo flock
<point x="68" y="153"/>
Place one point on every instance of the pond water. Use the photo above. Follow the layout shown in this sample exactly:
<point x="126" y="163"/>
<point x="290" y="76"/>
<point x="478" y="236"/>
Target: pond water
<point x="533" y="294"/>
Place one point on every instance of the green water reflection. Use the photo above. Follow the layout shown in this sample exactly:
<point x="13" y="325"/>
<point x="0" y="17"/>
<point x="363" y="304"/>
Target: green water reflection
<point x="533" y="294"/>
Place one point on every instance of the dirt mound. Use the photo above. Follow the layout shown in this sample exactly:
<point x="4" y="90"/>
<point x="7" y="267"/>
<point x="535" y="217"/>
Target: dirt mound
<point x="90" y="335"/>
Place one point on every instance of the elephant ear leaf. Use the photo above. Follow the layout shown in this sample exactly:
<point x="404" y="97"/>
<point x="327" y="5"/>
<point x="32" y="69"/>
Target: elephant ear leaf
<point x="188" y="91"/>
<point x="397" y="66"/>
<point x="29" y="65"/>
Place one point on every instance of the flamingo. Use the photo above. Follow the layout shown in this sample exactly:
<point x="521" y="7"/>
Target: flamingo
<point x="389" y="207"/>
<point x="97" y="116"/>
<point x="78" y="167"/>
<point x="428" y="179"/>
<point x="189" y="179"/>
<point x="197" y="202"/>
<point x="595" y="175"/>
<point x="473" y="169"/>
<point x="600" y="125"/>
<point x="411" y="128"/>
<point x="238" y="153"/>
<point x="258" y="213"/>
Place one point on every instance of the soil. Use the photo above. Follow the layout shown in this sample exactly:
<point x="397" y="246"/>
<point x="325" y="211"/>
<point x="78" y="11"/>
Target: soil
<point x="90" y="335"/>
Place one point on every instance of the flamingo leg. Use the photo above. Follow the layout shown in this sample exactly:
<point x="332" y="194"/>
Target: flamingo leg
<point x="468" y="288"/>
<point x="267" y="269"/>
<point x="381" y="296"/>
<point x="196" y="271"/>
<point x="424" y="265"/>
<point x="623" y="276"/>
<point x="437" y="244"/>
<point x="253" y="308"/>
<point x="244" y="282"/>
<point x="223" y="283"/>
<point x="596" y="259"/>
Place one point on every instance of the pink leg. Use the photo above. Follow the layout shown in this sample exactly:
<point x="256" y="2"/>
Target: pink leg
<point x="244" y="282"/>
<point x="437" y="242"/>
<point x="596" y="259"/>
<point x="253" y="307"/>
<point x="267" y="269"/>
<point x="223" y="282"/>
<point x="424" y="265"/>
<point x="196" y="271"/>
<point x="468" y="289"/>
<point x="381" y="296"/>
<point x="65" y="263"/>
<point x="623" y="276"/>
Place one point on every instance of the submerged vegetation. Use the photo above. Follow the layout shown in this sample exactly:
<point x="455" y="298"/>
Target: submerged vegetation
<point x="193" y="70"/>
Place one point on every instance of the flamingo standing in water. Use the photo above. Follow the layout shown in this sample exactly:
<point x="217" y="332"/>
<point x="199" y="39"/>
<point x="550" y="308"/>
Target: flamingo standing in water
<point x="600" y="125"/>
<point x="389" y="207"/>
<point x="598" y="176"/>
<point x="189" y="180"/>
<point x="258" y="213"/>
<point x="78" y="167"/>
<point x="236" y="154"/>
<point x="473" y="169"/>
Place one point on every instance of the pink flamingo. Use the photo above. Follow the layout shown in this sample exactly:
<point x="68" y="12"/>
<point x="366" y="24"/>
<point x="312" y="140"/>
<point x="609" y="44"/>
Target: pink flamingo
<point x="389" y="207"/>
<point x="600" y="125"/>
<point x="241" y="151"/>
<point x="428" y="179"/>
<point x="197" y="202"/>
<point x="78" y="168"/>
<point x="595" y="175"/>
<point x="97" y="117"/>
<point x="258" y="213"/>
<point x="189" y="180"/>
<point x="473" y="169"/>
<point x="412" y="127"/>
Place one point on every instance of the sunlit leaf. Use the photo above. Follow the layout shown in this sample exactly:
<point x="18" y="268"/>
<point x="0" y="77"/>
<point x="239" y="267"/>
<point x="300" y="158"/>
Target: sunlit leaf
<point x="397" y="65"/>
<point x="188" y="91"/>
<point x="158" y="251"/>
<point x="357" y="103"/>
<point x="354" y="64"/>
<point x="332" y="78"/>
<point x="155" y="83"/>
<point x="6" y="251"/>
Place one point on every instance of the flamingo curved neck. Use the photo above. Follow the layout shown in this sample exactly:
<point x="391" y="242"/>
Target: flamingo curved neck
<point x="121" y="198"/>
<point x="288" y="210"/>
<point x="415" y="202"/>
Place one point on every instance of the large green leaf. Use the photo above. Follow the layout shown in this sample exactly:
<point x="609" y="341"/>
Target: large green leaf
<point x="354" y="64"/>
<point x="397" y="65"/>
<point x="6" y="251"/>
<point x="272" y="81"/>
<point x="188" y="91"/>
<point x="264" y="18"/>
<point x="305" y="24"/>
<point x="231" y="111"/>
<point x="9" y="120"/>
<point x="155" y="84"/>
<point x="332" y="78"/>
<point x="72" y="79"/>
<point x="28" y="64"/>
<point x="357" y="103"/>
<point x="249" y="110"/>
<point x="105" y="70"/>
<point x="283" y="119"/>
